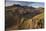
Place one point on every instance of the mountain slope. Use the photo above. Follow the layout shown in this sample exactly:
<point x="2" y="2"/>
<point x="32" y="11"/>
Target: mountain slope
<point x="33" y="22"/>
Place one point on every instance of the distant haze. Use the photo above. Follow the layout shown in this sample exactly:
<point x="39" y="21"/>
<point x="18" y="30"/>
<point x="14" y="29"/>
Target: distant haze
<point x="24" y="3"/>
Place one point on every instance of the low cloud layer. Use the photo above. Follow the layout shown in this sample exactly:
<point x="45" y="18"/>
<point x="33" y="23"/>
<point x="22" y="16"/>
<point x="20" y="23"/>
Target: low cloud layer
<point x="24" y="3"/>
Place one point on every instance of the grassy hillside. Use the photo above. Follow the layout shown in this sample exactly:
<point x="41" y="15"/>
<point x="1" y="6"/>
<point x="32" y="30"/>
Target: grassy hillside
<point x="23" y="17"/>
<point x="35" y="22"/>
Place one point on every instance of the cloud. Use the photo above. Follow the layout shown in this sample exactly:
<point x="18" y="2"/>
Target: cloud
<point x="28" y="0"/>
<point x="24" y="3"/>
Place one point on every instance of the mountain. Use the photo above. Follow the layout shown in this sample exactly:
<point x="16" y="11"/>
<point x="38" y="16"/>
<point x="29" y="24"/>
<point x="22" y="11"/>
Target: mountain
<point x="14" y="15"/>
<point x="18" y="9"/>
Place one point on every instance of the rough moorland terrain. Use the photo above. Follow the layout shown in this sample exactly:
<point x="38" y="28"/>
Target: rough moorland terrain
<point x="23" y="17"/>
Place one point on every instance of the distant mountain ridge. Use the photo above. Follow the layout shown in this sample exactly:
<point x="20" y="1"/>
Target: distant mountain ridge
<point x="22" y="9"/>
<point x="17" y="5"/>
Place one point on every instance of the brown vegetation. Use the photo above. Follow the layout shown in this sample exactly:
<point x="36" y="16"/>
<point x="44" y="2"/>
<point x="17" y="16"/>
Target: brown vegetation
<point x="22" y="17"/>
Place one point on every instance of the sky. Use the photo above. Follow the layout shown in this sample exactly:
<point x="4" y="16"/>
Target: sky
<point x="25" y="3"/>
<point x="27" y="0"/>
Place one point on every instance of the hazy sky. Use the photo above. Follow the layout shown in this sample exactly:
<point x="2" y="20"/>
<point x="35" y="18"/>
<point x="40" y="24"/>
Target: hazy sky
<point x="25" y="3"/>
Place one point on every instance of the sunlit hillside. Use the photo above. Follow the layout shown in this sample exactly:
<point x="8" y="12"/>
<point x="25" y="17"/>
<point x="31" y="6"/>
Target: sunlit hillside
<point x="35" y="22"/>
